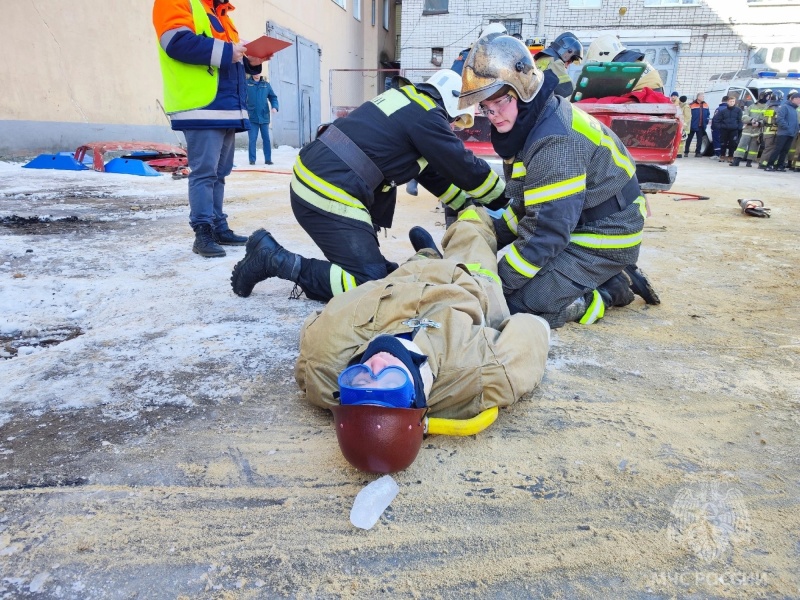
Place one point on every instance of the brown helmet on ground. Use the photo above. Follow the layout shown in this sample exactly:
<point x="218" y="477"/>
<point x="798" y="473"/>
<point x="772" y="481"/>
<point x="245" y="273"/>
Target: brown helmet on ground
<point x="496" y="61"/>
<point x="379" y="439"/>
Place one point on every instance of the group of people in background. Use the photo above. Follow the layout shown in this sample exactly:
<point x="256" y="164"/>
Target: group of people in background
<point x="765" y="132"/>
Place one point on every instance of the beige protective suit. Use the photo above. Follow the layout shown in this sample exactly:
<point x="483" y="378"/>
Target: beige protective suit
<point x="480" y="356"/>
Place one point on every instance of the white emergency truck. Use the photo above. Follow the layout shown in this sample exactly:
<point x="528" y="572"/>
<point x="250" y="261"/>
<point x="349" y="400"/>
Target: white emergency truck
<point x="745" y="85"/>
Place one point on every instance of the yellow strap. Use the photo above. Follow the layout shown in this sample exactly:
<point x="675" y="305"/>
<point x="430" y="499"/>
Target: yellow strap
<point x="424" y="101"/>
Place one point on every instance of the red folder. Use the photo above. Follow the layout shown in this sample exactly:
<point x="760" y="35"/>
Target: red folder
<point x="265" y="47"/>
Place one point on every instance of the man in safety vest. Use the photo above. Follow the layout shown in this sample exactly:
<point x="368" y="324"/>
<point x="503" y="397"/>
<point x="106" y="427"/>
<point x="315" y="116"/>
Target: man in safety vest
<point x="435" y="335"/>
<point x="753" y="120"/>
<point x="203" y="67"/>
<point x="565" y="50"/>
<point x="574" y="225"/>
<point x="345" y="187"/>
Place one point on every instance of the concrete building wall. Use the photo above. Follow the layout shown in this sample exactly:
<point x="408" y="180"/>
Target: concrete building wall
<point x="711" y="36"/>
<point x="86" y="71"/>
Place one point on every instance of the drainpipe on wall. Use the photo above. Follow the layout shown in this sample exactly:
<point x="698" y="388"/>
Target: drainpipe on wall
<point x="540" y="19"/>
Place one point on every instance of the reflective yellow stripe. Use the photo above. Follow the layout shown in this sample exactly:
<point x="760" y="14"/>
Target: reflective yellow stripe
<point x="590" y="128"/>
<point x="323" y="187"/>
<point x="641" y="201"/>
<point x="485" y="187"/>
<point x="341" y="281"/>
<point x="595" y="311"/>
<point x="424" y="101"/>
<point x="519" y="264"/>
<point x="554" y="191"/>
<point x="449" y="193"/>
<point x="469" y="215"/>
<point x="328" y="205"/>
<point x="422" y="162"/>
<point x="476" y="269"/>
<point x="620" y="159"/>
<point x="601" y="242"/>
<point x="518" y="170"/>
<point x="510" y="217"/>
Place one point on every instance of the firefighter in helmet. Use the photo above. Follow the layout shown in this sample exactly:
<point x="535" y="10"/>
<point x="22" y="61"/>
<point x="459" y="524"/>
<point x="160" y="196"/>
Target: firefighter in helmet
<point x="430" y="347"/>
<point x="753" y="121"/>
<point x="345" y="182"/>
<point x="565" y="50"/>
<point x="609" y="48"/>
<point x="576" y="215"/>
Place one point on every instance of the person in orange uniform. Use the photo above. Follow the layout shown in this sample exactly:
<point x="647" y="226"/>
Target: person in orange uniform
<point x="203" y="65"/>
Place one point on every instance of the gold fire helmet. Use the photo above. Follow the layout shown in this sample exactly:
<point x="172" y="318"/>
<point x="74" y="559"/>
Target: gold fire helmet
<point x="495" y="61"/>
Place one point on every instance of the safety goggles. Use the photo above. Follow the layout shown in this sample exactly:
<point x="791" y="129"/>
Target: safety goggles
<point x="391" y="387"/>
<point x="497" y="106"/>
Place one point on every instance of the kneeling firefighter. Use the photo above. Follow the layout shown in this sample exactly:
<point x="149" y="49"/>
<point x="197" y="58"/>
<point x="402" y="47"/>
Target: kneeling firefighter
<point x="344" y="186"/>
<point x="576" y="216"/>
<point x="432" y="339"/>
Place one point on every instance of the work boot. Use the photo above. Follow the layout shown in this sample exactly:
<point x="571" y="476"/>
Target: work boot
<point x="735" y="162"/>
<point x="749" y="163"/>
<point x="616" y="291"/>
<point x="263" y="258"/>
<point x="421" y="239"/>
<point x="685" y="155"/>
<point x="226" y="237"/>
<point x="204" y="243"/>
<point x="641" y="285"/>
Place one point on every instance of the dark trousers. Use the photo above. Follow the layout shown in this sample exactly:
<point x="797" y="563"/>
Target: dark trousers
<point x="700" y="135"/>
<point x="348" y="244"/>
<point x="728" y="139"/>
<point x="782" y="145"/>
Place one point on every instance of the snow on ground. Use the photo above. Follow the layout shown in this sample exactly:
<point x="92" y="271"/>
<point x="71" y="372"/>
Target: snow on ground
<point x="132" y="348"/>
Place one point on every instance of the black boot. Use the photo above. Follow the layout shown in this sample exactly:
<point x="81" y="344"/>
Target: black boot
<point x="422" y="239"/>
<point x="616" y="291"/>
<point x="264" y="258"/>
<point x="641" y="285"/>
<point x="735" y="162"/>
<point x="227" y="238"/>
<point x="204" y="243"/>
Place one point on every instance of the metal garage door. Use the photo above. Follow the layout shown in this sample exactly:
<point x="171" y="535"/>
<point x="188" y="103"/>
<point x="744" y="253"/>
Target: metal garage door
<point x="294" y="75"/>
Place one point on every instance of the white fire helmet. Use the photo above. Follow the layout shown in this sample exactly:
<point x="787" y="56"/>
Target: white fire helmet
<point x="604" y="48"/>
<point x="448" y="84"/>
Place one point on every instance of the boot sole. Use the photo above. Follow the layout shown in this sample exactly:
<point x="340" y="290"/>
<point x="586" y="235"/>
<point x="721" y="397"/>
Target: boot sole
<point x="209" y="254"/>
<point x="641" y="286"/>
<point x="231" y="243"/>
<point x="252" y="242"/>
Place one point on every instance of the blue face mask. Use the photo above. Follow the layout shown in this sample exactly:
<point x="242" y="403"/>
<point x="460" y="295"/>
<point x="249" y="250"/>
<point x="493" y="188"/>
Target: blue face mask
<point x="391" y="387"/>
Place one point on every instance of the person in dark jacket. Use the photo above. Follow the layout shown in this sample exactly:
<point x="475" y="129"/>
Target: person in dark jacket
<point x="565" y="50"/>
<point x="203" y="66"/>
<point x="345" y="182"/>
<point x="728" y="122"/>
<point x="786" y="118"/>
<point x="261" y="101"/>
<point x="700" y="118"/>
<point x="574" y="224"/>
